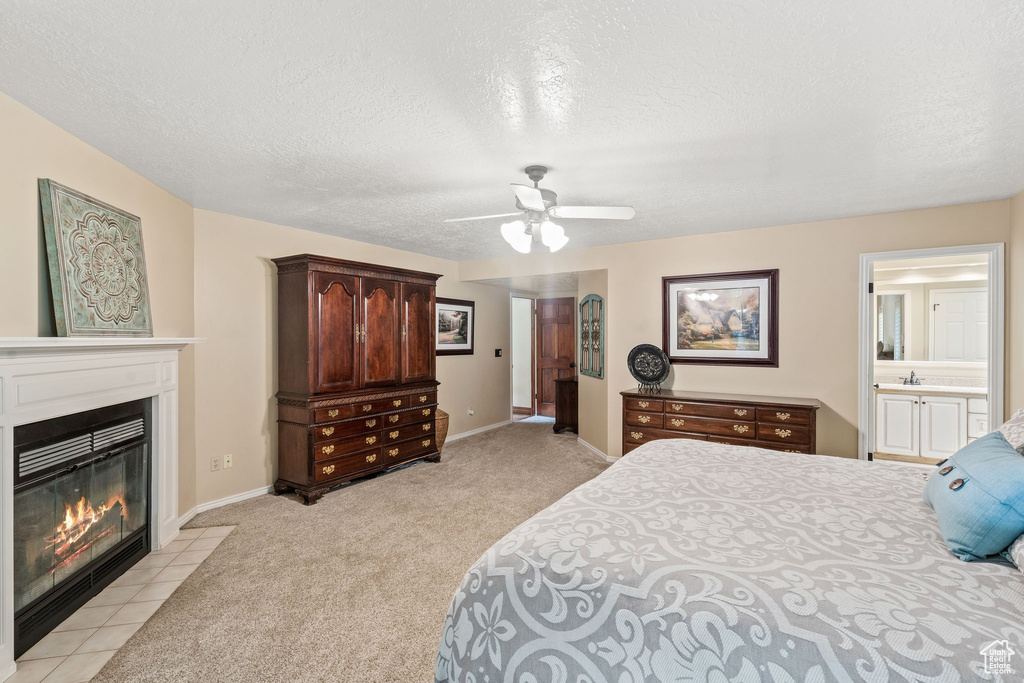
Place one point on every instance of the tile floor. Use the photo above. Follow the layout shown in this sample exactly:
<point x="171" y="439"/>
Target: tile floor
<point x="76" y="650"/>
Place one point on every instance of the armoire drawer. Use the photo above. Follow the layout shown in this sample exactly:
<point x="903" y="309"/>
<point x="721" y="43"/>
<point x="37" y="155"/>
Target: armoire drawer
<point x="331" y="414"/>
<point x="408" y="449"/>
<point x="332" y="449"/>
<point x="427" y="398"/>
<point x="340" y="429"/>
<point x="408" y="417"/>
<point x="379" y="406"/>
<point x="403" y="433"/>
<point x="348" y="465"/>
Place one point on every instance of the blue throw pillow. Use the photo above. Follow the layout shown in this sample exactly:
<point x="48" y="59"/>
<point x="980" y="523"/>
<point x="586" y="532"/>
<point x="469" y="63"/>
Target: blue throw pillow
<point x="978" y="497"/>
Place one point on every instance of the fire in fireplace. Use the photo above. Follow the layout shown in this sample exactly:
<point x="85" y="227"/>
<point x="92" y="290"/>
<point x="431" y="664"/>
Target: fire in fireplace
<point x="81" y="508"/>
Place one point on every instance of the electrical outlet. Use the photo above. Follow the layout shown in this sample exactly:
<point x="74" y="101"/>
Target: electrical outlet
<point x="215" y="463"/>
<point x="471" y="411"/>
<point x="227" y="461"/>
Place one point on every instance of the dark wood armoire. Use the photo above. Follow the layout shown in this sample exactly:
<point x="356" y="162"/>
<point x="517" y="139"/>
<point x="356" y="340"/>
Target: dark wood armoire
<point x="356" y="388"/>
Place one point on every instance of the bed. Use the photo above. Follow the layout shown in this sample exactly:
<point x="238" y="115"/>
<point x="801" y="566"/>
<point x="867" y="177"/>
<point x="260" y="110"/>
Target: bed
<point x="696" y="561"/>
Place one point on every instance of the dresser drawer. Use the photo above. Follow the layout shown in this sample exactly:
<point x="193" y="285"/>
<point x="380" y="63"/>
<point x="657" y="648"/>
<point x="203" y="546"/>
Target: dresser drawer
<point x="784" y="416"/>
<point x="640" y="435"/>
<point x="408" y="417"/>
<point x="340" y="429"/>
<point x="644" y="404"/>
<point x="408" y="449"/>
<point x="644" y="419"/>
<point x="787" y="448"/>
<point x="391" y="435"/>
<point x="794" y="434"/>
<point x="332" y="449"/>
<point x="710" y="425"/>
<point x="347" y="466"/>
<point x="719" y="410"/>
<point x="331" y="414"/>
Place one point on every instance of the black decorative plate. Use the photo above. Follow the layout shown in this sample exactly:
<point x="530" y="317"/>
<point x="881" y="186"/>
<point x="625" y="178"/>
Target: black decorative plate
<point x="648" y="364"/>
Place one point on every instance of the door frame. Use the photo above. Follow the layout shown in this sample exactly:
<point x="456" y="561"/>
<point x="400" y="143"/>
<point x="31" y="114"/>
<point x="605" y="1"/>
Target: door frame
<point x="532" y="408"/>
<point x="995" y="253"/>
<point x="931" y="317"/>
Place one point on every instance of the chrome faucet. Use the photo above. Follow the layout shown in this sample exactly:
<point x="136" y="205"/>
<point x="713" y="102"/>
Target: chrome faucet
<point x="913" y="379"/>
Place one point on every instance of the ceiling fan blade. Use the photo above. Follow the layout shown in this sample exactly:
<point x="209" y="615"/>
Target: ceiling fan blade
<point x="623" y="213"/>
<point x="480" y="218"/>
<point x="529" y="197"/>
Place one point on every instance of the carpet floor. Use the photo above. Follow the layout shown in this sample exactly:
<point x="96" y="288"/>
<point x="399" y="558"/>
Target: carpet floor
<point x="356" y="587"/>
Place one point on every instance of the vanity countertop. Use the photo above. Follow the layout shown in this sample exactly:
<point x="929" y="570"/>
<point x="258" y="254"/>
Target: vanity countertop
<point x="932" y="390"/>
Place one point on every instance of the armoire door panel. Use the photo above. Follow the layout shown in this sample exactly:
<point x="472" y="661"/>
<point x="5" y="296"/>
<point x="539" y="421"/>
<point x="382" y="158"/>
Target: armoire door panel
<point x="337" y="315"/>
<point x="418" y="356"/>
<point x="381" y="333"/>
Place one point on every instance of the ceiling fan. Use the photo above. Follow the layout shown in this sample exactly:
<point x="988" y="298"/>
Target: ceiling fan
<point x="537" y="206"/>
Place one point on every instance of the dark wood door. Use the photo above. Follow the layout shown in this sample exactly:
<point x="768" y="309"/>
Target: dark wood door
<point x="417" y="333"/>
<point x="336" y="298"/>
<point x="556" y="349"/>
<point x="380" y="336"/>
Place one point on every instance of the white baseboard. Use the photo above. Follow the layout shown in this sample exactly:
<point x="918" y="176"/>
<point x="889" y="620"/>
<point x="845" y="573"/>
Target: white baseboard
<point x="595" y="450"/>
<point x="479" y="430"/>
<point x="237" y="498"/>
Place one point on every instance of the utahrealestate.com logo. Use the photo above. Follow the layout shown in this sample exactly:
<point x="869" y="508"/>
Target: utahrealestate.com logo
<point x="997" y="656"/>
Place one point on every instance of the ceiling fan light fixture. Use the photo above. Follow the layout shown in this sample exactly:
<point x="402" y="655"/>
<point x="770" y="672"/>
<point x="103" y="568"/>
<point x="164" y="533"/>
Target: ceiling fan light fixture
<point x="517" y="237"/>
<point x="553" y="236"/>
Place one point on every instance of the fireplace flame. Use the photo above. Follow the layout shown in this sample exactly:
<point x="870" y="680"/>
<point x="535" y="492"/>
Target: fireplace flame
<point x="78" y="520"/>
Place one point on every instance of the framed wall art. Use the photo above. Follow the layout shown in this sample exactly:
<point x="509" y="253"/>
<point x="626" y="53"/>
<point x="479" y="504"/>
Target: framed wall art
<point x="592" y="336"/>
<point x="97" y="265"/>
<point x="722" y="318"/>
<point x="454" y="323"/>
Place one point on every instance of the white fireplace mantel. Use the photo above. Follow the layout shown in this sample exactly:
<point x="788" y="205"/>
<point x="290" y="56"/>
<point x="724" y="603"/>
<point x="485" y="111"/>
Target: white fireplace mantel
<point x="47" y="377"/>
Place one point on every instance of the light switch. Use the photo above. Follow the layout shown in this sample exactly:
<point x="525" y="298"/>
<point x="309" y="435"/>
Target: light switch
<point x="497" y="353"/>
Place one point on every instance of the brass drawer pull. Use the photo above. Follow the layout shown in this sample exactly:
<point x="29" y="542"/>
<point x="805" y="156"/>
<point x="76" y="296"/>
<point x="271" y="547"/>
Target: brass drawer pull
<point x="328" y="469"/>
<point x="425" y="442"/>
<point x="393" y="452"/>
<point x="371" y="457"/>
<point x="637" y="435"/>
<point x="426" y="411"/>
<point x="368" y="407"/>
<point x="393" y="419"/>
<point x="741" y="429"/>
<point x="332" y="413"/>
<point x="327" y="431"/>
<point x="327" y="450"/>
<point x="739" y="412"/>
<point x="784" y="433"/>
<point x="644" y="404"/>
<point x="370" y="423"/>
<point x="393" y="435"/>
<point x="370" y="440"/>
<point x="677" y="406"/>
<point x="396" y="402"/>
<point x="644" y="419"/>
<point x="423" y="399"/>
<point x="426" y="427"/>
<point x="782" y="416"/>
<point x="676" y="422"/>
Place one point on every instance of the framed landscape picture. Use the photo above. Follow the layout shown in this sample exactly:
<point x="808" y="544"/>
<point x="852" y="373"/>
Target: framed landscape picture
<point x="454" y="325"/>
<point x="722" y="318"/>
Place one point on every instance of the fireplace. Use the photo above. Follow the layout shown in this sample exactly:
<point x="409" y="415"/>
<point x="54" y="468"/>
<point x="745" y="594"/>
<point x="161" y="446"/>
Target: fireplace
<point x="81" y="511"/>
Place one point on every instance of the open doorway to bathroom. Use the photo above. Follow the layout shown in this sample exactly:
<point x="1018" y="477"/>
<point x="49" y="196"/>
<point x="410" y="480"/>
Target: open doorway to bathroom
<point x="931" y="343"/>
<point x="523" y="392"/>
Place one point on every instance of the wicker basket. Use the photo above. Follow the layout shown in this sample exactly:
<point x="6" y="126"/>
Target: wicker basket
<point x="440" y="428"/>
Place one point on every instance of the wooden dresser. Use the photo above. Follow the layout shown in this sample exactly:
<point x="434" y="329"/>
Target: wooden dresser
<point x="356" y="361"/>
<point x="781" y="424"/>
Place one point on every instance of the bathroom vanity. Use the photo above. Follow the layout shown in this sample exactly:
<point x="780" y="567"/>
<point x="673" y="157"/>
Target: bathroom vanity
<point x="927" y="422"/>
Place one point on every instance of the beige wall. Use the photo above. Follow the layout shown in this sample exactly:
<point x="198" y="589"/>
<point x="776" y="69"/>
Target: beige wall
<point x="30" y="148"/>
<point x="818" y="265"/>
<point x="593" y="392"/>
<point x="1015" y="307"/>
<point x="236" y="368"/>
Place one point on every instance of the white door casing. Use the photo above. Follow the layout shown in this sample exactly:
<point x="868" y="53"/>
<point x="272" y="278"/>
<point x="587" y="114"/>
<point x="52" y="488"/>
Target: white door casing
<point x="897" y="427"/>
<point x="943" y="425"/>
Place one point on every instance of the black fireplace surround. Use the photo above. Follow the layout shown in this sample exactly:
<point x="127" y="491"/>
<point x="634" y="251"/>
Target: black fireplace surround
<point x="81" y="511"/>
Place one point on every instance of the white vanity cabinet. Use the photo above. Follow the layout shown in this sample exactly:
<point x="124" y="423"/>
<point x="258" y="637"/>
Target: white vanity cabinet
<point x="920" y="424"/>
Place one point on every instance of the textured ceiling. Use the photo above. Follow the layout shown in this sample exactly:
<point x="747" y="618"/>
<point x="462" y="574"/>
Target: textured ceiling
<point x="374" y="120"/>
<point x="536" y="284"/>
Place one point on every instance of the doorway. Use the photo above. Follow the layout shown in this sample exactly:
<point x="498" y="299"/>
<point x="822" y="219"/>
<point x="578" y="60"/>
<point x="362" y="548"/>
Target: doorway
<point x="522" y="358"/>
<point x="543" y="350"/>
<point x="931" y="350"/>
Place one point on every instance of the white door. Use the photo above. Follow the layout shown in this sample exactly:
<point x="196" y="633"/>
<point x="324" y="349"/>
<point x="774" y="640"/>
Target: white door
<point x="943" y="425"/>
<point x="959" y="325"/>
<point x="897" y="424"/>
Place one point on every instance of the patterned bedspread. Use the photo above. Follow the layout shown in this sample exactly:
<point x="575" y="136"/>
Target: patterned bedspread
<point x="694" y="561"/>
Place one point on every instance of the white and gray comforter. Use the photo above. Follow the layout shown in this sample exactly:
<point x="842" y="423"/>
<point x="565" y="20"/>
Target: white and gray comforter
<point x="694" y="561"/>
